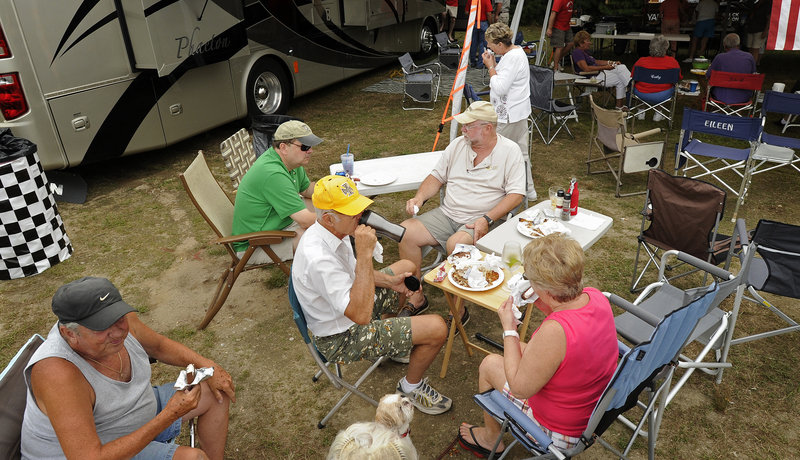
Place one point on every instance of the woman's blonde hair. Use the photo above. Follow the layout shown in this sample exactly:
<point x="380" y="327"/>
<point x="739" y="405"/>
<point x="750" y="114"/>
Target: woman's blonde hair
<point x="580" y="37"/>
<point x="555" y="263"/>
<point x="499" y="33"/>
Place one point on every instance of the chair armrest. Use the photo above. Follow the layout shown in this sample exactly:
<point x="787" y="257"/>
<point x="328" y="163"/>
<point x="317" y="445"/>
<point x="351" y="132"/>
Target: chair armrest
<point x="694" y="261"/>
<point x="635" y="310"/>
<point x="647" y="133"/>
<point x="257" y="238"/>
<point x="496" y="404"/>
<point x="427" y="66"/>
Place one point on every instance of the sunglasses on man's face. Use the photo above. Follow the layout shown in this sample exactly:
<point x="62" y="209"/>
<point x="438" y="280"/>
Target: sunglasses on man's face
<point x="303" y="147"/>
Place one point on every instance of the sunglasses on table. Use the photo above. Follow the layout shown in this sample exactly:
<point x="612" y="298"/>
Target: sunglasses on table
<point x="303" y="147"/>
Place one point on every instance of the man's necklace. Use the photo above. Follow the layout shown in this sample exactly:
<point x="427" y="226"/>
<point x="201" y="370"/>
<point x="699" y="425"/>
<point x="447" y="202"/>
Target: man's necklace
<point x="109" y="367"/>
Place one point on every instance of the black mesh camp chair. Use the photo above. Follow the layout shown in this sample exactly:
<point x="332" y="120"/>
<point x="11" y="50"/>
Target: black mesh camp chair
<point x="550" y="110"/>
<point x="449" y="53"/>
<point x="643" y="378"/>
<point x="683" y="214"/>
<point x="420" y="83"/>
<point x="611" y="144"/>
<point x="13" y="394"/>
<point x="335" y="374"/>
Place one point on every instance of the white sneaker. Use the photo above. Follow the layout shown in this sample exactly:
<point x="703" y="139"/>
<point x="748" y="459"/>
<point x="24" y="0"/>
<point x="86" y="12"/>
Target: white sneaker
<point x="426" y="399"/>
<point x="657" y="117"/>
<point x="688" y="60"/>
<point x="640" y="115"/>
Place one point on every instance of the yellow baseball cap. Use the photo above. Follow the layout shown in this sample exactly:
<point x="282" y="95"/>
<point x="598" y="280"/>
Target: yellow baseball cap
<point x="340" y="194"/>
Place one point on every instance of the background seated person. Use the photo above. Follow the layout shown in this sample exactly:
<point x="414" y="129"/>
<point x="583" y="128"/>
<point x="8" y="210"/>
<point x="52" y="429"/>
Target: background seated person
<point x="270" y="195"/>
<point x="485" y="177"/>
<point x="89" y="390"/>
<point x="346" y="302"/>
<point x="658" y="60"/>
<point x="558" y="376"/>
<point x="613" y="74"/>
<point x="732" y="60"/>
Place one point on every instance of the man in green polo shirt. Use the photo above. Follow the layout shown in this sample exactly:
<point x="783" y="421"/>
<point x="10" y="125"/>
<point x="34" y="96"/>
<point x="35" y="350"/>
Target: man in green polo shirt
<point x="270" y="195"/>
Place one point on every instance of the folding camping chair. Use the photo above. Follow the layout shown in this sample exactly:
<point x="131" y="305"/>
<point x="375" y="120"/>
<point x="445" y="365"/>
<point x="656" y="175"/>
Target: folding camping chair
<point x="420" y="83"/>
<point x="776" y="271"/>
<point x="449" y="53"/>
<point x="683" y="214"/>
<point x="13" y="396"/>
<point x="614" y="144"/>
<point x="556" y="111"/>
<point x="646" y="102"/>
<point x="239" y="155"/>
<point x="699" y="159"/>
<point x="217" y="209"/>
<point x="745" y="81"/>
<point x="335" y="377"/>
<point x="649" y="365"/>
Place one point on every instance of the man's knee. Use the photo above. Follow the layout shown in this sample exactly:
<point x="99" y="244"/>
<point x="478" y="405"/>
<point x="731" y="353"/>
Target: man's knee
<point x="428" y="329"/>
<point x="189" y="453"/>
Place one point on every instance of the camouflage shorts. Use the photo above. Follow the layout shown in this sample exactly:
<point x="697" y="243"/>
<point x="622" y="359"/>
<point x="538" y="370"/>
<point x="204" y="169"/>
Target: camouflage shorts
<point x="381" y="337"/>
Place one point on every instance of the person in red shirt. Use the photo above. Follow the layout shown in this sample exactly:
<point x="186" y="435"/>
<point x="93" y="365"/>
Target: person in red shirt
<point x="658" y="60"/>
<point x="479" y="33"/>
<point x="671" y="18"/>
<point x="559" y="31"/>
<point x="451" y="12"/>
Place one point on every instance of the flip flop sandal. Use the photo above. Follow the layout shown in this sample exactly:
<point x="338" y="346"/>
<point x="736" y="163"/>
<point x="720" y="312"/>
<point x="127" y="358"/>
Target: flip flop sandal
<point x="478" y="450"/>
<point x="411" y="310"/>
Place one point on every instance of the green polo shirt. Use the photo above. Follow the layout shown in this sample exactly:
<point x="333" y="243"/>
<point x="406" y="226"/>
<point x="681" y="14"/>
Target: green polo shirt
<point x="267" y="197"/>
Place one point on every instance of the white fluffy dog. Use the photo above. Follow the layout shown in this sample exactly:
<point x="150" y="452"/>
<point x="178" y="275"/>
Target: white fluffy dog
<point x="385" y="438"/>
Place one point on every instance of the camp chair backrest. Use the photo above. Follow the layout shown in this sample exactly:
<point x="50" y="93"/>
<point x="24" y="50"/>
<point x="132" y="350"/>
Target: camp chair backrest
<point x="777" y="102"/>
<point x="13" y="395"/>
<point x="684" y="213"/>
<point x="239" y="155"/>
<point x="209" y="198"/>
<point x="656" y="76"/>
<point x="406" y="62"/>
<point x="610" y="124"/>
<point x="441" y="40"/>
<point x="297" y="313"/>
<point x="779" y="246"/>
<point x="749" y="81"/>
<point x="718" y="124"/>
<point x="541" y="81"/>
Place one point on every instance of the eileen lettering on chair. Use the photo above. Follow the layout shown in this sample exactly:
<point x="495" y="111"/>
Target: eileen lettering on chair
<point x="718" y="125"/>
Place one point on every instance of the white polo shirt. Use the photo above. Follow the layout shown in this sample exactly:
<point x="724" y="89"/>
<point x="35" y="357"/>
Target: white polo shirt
<point x="510" y="89"/>
<point x="472" y="191"/>
<point x="323" y="273"/>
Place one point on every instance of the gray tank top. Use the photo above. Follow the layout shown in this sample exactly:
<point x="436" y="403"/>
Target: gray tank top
<point x="120" y="407"/>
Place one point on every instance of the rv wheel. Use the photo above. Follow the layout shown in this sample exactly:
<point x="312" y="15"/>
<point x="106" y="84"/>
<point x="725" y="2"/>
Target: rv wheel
<point x="426" y="39"/>
<point x="268" y="89"/>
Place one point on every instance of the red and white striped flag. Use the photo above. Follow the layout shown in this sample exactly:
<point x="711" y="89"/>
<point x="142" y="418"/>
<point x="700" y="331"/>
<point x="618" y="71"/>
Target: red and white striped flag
<point x="784" y="33"/>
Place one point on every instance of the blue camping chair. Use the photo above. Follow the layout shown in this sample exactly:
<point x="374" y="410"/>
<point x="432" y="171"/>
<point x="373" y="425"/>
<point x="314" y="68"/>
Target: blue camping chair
<point x="648" y="366"/>
<point x="663" y="104"/>
<point x="335" y="377"/>
<point x="700" y="159"/>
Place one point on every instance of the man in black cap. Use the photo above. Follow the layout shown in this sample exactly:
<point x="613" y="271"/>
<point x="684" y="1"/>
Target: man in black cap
<point x="89" y="391"/>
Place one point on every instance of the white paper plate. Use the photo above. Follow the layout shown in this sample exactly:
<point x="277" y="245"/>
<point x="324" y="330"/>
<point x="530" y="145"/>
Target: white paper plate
<point x="497" y="282"/>
<point x="546" y="228"/>
<point x="377" y="178"/>
<point x="698" y="71"/>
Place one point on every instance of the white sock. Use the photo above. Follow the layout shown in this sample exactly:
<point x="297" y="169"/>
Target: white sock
<point x="409" y="387"/>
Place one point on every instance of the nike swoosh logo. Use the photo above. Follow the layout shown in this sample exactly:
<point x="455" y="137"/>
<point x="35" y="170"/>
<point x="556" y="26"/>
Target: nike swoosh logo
<point x="104" y="297"/>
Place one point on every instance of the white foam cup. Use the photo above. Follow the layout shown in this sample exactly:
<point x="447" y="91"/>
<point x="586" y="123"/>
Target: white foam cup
<point x="779" y="87"/>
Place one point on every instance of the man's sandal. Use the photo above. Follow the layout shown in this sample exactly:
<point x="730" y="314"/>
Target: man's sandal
<point x="410" y="310"/>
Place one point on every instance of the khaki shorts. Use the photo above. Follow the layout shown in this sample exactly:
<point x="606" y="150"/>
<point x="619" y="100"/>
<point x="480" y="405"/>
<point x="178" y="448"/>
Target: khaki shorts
<point x="560" y="38"/>
<point x="442" y="227"/>
<point x="755" y="40"/>
<point x="381" y="337"/>
<point x="452" y="11"/>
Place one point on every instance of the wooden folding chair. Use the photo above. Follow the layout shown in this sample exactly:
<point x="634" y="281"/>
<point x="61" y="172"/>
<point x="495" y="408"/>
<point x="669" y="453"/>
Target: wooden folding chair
<point x="217" y="209"/>
<point x="239" y="155"/>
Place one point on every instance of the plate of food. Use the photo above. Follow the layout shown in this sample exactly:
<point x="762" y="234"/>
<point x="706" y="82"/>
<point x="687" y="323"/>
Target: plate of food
<point x="545" y="227"/>
<point x="459" y="277"/>
<point x="377" y="178"/>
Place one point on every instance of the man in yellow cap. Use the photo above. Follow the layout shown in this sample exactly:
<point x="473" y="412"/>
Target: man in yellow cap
<point x="345" y="300"/>
<point x="485" y="177"/>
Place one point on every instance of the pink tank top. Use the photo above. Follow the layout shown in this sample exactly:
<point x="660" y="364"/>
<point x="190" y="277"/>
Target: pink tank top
<point x="565" y="402"/>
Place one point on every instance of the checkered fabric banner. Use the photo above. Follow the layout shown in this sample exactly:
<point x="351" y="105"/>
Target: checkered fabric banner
<point x="32" y="235"/>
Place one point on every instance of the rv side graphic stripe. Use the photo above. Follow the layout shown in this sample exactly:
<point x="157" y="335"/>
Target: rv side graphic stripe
<point x="394" y="10"/>
<point x="158" y="6"/>
<point x="79" y="16"/>
<point x="89" y="31"/>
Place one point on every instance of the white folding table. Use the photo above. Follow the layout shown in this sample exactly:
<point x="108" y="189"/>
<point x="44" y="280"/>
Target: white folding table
<point x="410" y="170"/>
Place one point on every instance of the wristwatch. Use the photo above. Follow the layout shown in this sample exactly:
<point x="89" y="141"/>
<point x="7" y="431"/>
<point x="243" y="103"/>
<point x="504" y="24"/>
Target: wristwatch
<point x="510" y="333"/>
<point x="488" y="219"/>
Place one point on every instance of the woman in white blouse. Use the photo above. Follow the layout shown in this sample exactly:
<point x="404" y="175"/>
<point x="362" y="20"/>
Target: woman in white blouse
<point x="510" y="91"/>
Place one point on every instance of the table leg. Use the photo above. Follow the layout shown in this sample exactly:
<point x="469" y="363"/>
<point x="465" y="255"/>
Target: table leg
<point x="524" y="331"/>
<point x="456" y="304"/>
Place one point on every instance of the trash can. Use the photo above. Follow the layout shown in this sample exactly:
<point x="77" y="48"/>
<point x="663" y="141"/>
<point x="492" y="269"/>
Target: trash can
<point x="264" y="127"/>
<point x="32" y="234"/>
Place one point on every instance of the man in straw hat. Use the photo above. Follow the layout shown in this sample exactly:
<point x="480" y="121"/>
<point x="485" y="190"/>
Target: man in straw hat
<point x="485" y="177"/>
<point x="347" y="303"/>
<point x="89" y="390"/>
<point x="271" y="193"/>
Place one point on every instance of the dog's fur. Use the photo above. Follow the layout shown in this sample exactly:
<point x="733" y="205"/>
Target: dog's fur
<point x="385" y="438"/>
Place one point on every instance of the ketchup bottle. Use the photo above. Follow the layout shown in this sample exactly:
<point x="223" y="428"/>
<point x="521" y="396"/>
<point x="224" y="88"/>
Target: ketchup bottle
<point x="573" y="190"/>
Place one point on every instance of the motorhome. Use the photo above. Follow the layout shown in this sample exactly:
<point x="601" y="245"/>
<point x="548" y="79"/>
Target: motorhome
<point x="91" y="80"/>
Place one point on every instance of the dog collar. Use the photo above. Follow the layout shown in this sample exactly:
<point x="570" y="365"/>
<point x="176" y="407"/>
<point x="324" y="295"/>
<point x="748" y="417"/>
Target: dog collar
<point x="406" y="433"/>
